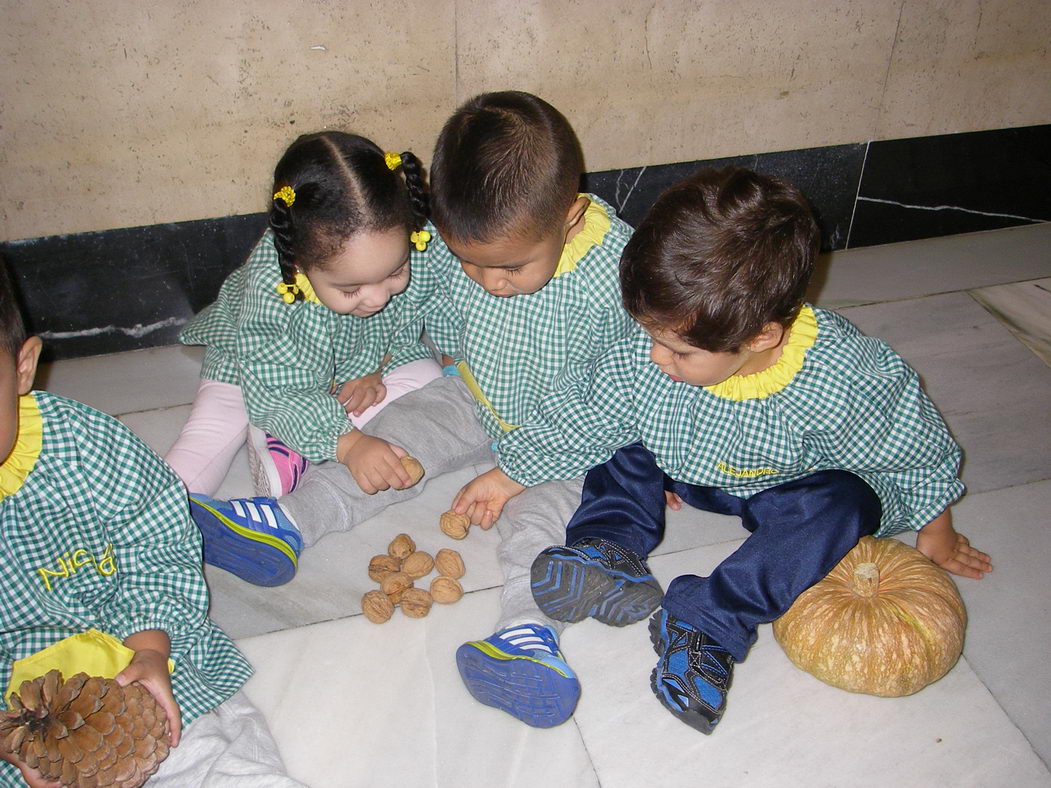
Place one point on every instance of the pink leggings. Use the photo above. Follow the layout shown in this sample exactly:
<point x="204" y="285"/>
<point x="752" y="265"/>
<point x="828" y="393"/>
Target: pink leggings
<point x="218" y="425"/>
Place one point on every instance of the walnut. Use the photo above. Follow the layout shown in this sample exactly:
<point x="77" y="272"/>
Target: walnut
<point x="416" y="603"/>
<point x="376" y="607"/>
<point x="382" y="565"/>
<point x="417" y="565"/>
<point x="446" y="590"/>
<point x="402" y="546"/>
<point x="395" y="583"/>
<point x="413" y="468"/>
<point x="449" y="563"/>
<point x="455" y="525"/>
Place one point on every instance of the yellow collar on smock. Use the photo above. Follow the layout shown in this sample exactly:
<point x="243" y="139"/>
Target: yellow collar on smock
<point x="24" y="455"/>
<point x="802" y="335"/>
<point x="596" y="225"/>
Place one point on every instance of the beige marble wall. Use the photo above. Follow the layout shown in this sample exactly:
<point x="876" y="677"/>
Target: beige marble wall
<point x="117" y="113"/>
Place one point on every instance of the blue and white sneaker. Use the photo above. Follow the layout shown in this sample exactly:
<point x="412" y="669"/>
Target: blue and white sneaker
<point x="521" y="671"/>
<point x="250" y="537"/>
<point x="693" y="674"/>
<point x="594" y="578"/>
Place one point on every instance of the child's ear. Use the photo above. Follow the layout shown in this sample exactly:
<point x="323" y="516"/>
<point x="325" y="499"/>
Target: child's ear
<point x="769" y="337"/>
<point x="576" y="212"/>
<point x="28" y="357"/>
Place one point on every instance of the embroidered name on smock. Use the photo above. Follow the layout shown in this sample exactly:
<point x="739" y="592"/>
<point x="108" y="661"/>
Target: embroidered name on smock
<point x="71" y="562"/>
<point x="745" y="473"/>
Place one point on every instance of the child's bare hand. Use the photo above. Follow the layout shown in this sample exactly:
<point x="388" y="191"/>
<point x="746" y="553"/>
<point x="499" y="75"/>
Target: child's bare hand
<point x="358" y="395"/>
<point x="374" y="463"/>
<point x="673" y="501"/>
<point x="32" y="777"/>
<point x="484" y="498"/>
<point x="952" y="551"/>
<point x="150" y="669"/>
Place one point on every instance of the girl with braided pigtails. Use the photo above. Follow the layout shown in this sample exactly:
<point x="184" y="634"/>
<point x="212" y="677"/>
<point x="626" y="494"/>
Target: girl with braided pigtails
<point x="316" y="331"/>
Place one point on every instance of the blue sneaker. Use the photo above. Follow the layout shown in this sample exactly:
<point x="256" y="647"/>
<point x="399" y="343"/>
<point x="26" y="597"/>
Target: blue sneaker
<point x="250" y="537"/>
<point x="693" y="674"/>
<point x="521" y="671"/>
<point x="594" y="578"/>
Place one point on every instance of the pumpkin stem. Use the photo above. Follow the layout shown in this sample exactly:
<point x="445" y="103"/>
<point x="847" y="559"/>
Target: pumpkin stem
<point x="866" y="580"/>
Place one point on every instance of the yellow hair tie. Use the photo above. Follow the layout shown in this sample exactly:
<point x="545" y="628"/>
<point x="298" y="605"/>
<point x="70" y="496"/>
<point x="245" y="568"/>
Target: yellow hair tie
<point x="288" y="292"/>
<point x="393" y="160"/>
<point x="286" y="194"/>
<point x="420" y="239"/>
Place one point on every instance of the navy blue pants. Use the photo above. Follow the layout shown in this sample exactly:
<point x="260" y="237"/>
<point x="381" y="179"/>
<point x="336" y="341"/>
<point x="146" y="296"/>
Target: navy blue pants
<point x="799" y="531"/>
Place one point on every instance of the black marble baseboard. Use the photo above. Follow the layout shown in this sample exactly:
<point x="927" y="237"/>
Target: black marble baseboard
<point x="132" y="288"/>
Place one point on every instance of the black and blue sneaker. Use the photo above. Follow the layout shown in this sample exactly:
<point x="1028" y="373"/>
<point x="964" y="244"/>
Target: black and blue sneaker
<point x="520" y="670"/>
<point x="249" y="537"/>
<point x="594" y="578"/>
<point x="693" y="674"/>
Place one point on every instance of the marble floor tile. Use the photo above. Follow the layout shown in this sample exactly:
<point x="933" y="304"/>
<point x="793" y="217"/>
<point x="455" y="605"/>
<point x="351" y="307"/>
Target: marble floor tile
<point x="1009" y="610"/>
<point x="358" y="704"/>
<point x="892" y="272"/>
<point x="1025" y="308"/>
<point x="991" y="390"/>
<point x="782" y="726"/>
<point x="127" y="382"/>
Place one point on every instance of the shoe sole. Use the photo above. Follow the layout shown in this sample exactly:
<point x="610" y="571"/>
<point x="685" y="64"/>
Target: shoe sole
<point x="572" y="589"/>
<point x="528" y="690"/>
<point x="690" y="716"/>
<point x="257" y="558"/>
<point x="262" y="482"/>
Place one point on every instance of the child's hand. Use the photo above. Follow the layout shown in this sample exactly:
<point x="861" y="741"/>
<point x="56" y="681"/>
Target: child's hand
<point x="374" y="463"/>
<point x="484" y="498"/>
<point x="149" y="667"/>
<point x="356" y="396"/>
<point x="673" y="501"/>
<point x="952" y="551"/>
<point x="32" y="777"/>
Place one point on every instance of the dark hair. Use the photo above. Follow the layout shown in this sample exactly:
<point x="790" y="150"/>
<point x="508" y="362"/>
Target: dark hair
<point x="505" y="164"/>
<point x="721" y="254"/>
<point x="12" y="329"/>
<point x="342" y="186"/>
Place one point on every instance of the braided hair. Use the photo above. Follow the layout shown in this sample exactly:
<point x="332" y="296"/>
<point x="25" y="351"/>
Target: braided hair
<point x="342" y="186"/>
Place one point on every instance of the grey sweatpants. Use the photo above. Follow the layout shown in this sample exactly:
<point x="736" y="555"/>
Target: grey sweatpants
<point x="438" y="425"/>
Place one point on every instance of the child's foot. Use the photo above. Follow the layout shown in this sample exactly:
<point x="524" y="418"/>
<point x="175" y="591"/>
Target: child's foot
<point x="250" y="537"/>
<point x="276" y="469"/>
<point x="693" y="674"/>
<point x="521" y="671"/>
<point x="594" y="578"/>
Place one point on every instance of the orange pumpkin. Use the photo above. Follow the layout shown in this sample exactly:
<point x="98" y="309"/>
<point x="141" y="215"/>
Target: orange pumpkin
<point x="886" y="621"/>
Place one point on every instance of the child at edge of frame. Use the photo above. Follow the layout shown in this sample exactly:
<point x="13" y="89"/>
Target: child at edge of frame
<point x="526" y="294"/>
<point x="734" y="396"/>
<point x="76" y="481"/>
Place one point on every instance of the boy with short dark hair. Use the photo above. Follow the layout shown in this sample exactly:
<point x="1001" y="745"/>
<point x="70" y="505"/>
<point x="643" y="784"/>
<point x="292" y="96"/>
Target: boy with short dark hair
<point x="524" y="295"/>
<point x="101" y="562"/>
<point x="737" y="397"/>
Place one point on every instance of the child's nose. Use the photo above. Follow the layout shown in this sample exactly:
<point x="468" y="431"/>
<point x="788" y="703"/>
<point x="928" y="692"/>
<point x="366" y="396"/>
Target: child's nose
<point x="493" y="279"/>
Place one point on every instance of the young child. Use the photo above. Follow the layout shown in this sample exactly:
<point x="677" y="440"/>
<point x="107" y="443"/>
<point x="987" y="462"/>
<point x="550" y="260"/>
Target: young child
<point x="103" y="565"/>
<point x="736" y="397"/>
<point x="310" y="307"/>
<point x="527" y="295"/>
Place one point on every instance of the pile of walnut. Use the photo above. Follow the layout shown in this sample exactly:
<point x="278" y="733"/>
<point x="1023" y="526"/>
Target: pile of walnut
<point x="397" y="572"/>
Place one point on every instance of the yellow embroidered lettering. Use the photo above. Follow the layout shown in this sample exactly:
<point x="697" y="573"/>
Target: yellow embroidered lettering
<point x="745" y="473"/>
<point x="80" y="557"/>
<point x="46" y="574"/>
<point x="107" y="564"/>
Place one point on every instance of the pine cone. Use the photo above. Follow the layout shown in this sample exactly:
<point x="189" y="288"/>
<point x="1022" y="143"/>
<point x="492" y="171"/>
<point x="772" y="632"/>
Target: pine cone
<point x="86" y="732"/>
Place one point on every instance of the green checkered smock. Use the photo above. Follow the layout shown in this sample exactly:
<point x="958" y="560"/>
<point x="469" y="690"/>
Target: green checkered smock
<point x="854" y="405"/>
<point x="519" y="348"/>
<point x="285" y="357"/>
<point x="99" y="536"/>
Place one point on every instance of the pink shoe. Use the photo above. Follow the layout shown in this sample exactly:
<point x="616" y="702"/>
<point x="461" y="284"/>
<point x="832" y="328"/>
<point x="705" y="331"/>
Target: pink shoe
<point x="276" y="469"/>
